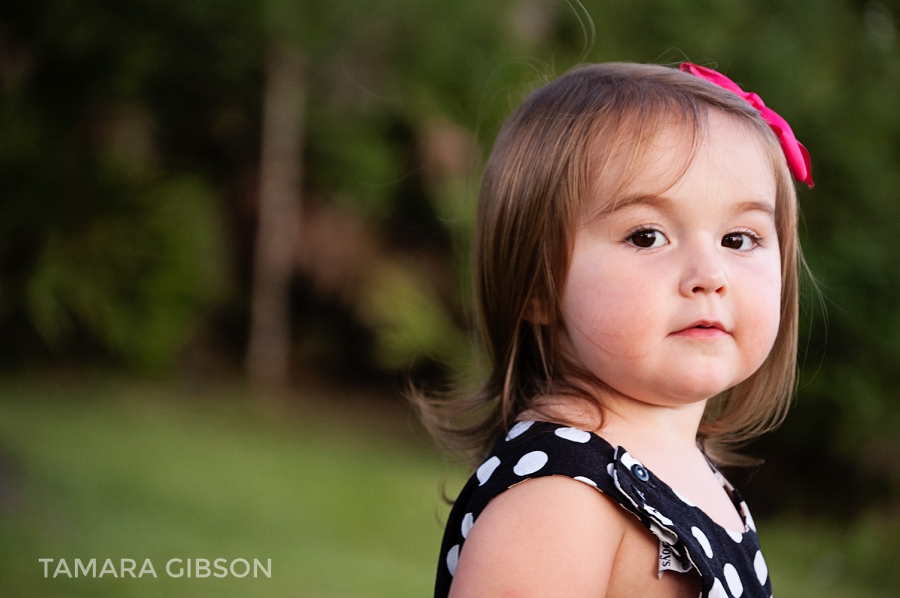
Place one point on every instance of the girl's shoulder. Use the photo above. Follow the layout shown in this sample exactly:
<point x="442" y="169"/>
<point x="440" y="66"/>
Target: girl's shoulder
<point x="548" y="536"/>
<point x="688" y="539"/>
<point x="518" y="543"/>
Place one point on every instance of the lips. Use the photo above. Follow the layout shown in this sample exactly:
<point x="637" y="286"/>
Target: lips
<point x="703" y="329"/>
<point x="708" y="324"/>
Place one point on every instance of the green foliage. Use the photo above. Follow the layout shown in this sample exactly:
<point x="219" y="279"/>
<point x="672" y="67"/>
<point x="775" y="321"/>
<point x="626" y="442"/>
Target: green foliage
<point x="355" y="160"/>
<point x="409" y="323"/>
<point x="134" y="280"/>
<point x="109" y="237"/>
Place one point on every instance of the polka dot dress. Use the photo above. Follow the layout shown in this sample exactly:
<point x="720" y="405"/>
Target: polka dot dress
<point x="730" y="564"/>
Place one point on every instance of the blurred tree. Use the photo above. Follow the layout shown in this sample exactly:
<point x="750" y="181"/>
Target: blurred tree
<point x="269" y="345"/>
<point x="379" y="76"/>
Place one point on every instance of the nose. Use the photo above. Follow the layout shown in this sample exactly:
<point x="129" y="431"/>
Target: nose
<point x="704" y="274"/>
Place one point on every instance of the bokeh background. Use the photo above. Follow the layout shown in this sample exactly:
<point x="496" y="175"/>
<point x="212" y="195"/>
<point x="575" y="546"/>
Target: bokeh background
<point x="231" y="231"/>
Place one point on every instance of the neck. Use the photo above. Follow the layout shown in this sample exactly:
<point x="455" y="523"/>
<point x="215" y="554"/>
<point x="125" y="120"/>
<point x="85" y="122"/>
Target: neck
<point x="651" y="429"/>
<point x="642" y="428"/>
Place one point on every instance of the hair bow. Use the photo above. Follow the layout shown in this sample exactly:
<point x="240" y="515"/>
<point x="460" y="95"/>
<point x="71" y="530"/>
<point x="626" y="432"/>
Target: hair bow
<point x="797" y="156"/>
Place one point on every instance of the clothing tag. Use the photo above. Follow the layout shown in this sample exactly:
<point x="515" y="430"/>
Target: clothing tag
<point x="670" y="561"/>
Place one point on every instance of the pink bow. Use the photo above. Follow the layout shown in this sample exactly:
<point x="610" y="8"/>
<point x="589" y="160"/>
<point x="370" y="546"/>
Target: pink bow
<point x="797" y="156"/>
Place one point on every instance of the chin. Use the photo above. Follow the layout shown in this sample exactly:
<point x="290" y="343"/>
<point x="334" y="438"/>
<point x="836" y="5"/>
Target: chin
<point x="672" y="393"/>
<point x="697" y="388"/>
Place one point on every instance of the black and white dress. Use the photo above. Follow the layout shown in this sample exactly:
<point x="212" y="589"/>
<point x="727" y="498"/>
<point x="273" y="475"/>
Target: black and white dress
<point x="730" y="564"/>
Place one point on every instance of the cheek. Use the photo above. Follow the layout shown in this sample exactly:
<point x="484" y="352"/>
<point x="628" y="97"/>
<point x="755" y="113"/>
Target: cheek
<point x="763" y="309"/>
<point x="772" y="319"/>
<point x="612" y="308"/>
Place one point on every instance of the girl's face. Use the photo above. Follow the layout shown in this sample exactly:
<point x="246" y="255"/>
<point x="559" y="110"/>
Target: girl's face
<point x="674" y="296"/>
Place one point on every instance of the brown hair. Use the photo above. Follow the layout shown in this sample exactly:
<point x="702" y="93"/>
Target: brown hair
<point x="545" y="164"/>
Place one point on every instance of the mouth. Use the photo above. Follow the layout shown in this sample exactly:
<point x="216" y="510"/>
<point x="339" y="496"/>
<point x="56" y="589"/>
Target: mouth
<point x="703" y="329"/>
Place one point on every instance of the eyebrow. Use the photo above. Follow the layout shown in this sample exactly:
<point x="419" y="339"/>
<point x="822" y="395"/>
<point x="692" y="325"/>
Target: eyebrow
<point x="657" y="201"/>
<point x="662" y="202"/>
<point x="755" y="206"/>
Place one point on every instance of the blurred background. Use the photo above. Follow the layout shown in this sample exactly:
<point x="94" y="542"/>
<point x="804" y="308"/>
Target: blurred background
<point x="231" y="231"/>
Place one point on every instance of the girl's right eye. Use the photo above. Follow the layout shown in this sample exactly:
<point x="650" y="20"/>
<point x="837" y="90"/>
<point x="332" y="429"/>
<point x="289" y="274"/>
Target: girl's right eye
<point x="647" y="238"/>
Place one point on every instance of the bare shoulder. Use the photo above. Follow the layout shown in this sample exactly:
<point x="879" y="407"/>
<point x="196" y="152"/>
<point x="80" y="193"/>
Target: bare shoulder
<point x="543" y="537"/>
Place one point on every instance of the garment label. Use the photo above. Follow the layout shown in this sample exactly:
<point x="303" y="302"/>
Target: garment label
<point x="669" y="560"/>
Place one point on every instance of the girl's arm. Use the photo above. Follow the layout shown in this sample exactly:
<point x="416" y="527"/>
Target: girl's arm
<point x="548" y="536"/>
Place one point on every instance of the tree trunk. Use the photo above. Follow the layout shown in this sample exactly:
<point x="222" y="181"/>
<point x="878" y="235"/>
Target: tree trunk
<point x="278" y="224"/>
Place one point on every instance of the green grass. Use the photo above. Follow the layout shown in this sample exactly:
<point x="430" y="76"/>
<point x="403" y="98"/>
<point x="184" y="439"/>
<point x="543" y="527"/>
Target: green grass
<point x="343" y="497"/>
<point x="340" y="509"/>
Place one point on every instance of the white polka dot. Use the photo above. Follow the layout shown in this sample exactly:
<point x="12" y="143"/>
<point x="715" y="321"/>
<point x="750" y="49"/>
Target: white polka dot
<point x="762" y="572"/>
<point x="703" y="540"/>
<point x="746" y="511"/>
<point x="717" y="590"/>
<point x="573" y="434"/>
<point x="736" y="536"/>
<point x="610" y="469"/>
<point x="587" y="481"/>
<point x="530" y="463"/>
<point x="733" y="580"/>
<point x="452" y="559"/>
<point x="468" y="522"/>
<point x="683" y="499"/>
<point x="662" y="518"/>
<point x="629" y="461"/>
<point x="517" y="429"/>
<point x="487" y="468"/>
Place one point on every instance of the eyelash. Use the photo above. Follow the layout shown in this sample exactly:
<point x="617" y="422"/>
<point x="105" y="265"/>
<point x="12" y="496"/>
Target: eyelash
<point x="755" y="238"/>
<point x="758" y="241"/>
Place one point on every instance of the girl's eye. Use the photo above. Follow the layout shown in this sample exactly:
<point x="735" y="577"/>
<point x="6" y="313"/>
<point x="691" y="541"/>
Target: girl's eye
<point x="648" y="238"/>
<point x="739" y="241"/>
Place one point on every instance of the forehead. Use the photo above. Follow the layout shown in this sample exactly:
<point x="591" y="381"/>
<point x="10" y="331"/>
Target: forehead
<point x="720" y="156"/>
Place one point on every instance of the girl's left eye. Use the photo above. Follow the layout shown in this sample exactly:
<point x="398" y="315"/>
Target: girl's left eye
<point x="739" y="241"/>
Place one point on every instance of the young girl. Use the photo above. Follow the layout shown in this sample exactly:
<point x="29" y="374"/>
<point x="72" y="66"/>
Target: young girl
<point x="637" y="277"/>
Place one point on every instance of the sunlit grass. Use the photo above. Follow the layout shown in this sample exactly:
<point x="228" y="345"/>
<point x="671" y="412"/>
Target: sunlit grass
<point x="340" y="510"/>
<point x="344" y="498"/>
